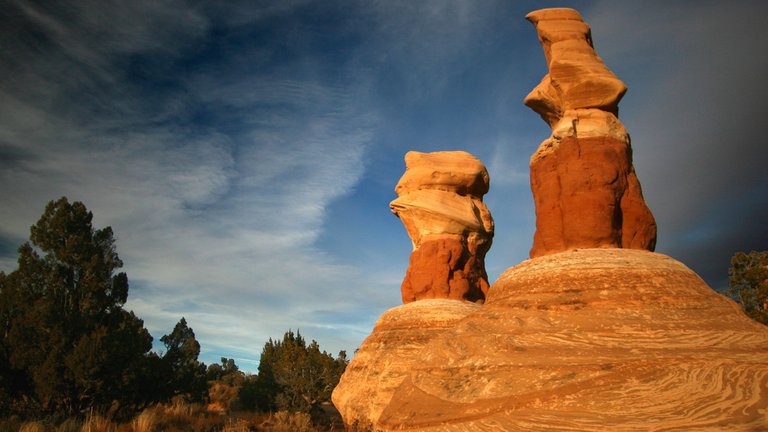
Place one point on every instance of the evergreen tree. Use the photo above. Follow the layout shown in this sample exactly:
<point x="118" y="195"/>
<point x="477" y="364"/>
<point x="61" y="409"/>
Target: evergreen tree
<point x="293" y="376"/>
<point x="227" y="372"/>
<point x="66" y="343"/>
<point x="186" y="375"/>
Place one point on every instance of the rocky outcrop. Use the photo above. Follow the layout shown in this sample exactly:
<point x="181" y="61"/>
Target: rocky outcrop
<point x="585" y="189"/>
<point x="441" y="205"/>
<point x="595" y="339"/>
<point x="388" y="356"/>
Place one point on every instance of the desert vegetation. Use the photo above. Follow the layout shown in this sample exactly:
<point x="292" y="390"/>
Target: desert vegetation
<point x="73" y="359"/>
<point x="748" y="283"/>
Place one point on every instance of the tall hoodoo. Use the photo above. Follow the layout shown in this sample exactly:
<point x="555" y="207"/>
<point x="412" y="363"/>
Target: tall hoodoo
<point x="584" y="186"/>
<point x="440" y="202"/>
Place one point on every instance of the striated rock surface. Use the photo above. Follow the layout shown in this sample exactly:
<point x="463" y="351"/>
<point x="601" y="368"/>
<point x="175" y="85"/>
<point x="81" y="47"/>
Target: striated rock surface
<point x="596" y="339"/>
<point x="440" y="202"/>
<point x="388" y="355"/>
<point x="585" y="189"/>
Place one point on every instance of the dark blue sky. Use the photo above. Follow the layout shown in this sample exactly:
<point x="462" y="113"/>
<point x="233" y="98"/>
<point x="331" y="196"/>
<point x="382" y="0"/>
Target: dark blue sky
<point x="245" y="153"/>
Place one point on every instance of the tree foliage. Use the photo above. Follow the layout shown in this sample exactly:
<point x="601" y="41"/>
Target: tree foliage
<point x="66" y="343"/>
<point x="748" y="283"/>
<point x="293" y="375"/>
<point x="185" y="375"/>
<point x="227" y="372"/>
<point x="67" y="346"/>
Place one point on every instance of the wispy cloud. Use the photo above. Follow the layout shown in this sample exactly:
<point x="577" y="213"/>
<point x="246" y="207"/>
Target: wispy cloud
<point x="215" y="221"/>
<point x="245" y="154"/>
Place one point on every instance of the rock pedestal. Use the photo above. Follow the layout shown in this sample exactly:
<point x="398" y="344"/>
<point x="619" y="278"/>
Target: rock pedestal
<point x="584" y="186"/>
<point x="594" y="339"/>
<point x="441" y="205"/>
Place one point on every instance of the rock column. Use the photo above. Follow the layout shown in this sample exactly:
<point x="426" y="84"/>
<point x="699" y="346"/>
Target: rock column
<point x="440" y="203"/>
<point x="584" y="186"/>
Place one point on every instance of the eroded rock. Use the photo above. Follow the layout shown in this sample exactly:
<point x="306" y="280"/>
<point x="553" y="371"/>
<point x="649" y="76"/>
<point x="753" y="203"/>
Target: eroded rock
<point x="594" y="339"/>
<point x="585" y="189"/>
<point x="441" y="205"/>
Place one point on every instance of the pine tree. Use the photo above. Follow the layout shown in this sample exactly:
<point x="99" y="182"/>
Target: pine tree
<point x="67" y="344"/>
<point x="293" y="375"/>
<point x="186" y="375"/>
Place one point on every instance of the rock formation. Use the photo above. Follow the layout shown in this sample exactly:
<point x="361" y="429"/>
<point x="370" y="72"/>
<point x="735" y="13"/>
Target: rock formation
<point x="441" y="205"/>
<point x="595" y="332"/>
<point x="584" y="186"/>
<point x="594" y="339"/>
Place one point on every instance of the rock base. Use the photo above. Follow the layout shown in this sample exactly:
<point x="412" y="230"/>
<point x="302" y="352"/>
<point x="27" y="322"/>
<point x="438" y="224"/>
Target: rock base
<point x="596" y="339"/>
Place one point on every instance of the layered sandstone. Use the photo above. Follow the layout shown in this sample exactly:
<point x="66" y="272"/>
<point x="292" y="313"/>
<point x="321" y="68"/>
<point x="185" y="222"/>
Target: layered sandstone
<point x="585" y="189"/>
<point x="388" y="356"/>
<point x="595" y="339"/>
<point x="440" y="202"/>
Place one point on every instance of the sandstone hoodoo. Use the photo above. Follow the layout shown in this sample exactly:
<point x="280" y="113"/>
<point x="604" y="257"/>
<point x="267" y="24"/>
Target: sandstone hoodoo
<point x="584" y="186"/>
<point x="441" y="205"/>
<point x="595" y="332"/>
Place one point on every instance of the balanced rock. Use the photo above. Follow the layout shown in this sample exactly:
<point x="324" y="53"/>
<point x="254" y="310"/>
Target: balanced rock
<point x="585" y="189"/>
<point x="594" y="339"/>
<point x="440" y="202"/>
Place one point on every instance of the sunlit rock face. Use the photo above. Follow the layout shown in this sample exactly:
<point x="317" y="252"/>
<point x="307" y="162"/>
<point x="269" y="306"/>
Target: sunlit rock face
<point x="594" y="339"/>
<point x="387" y="357"/>
<point x="584" y="186"/>
<point x="440" y="202"/>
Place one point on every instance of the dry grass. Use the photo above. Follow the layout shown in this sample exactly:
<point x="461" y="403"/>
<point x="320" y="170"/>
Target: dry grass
<point x="33" y="426"/>
<point x="145" y="421"/>
<point x="97" y="423"/>
<point x="70" y="425"/>
<point x="284" y="421"/>
<point x="239" y="425"/>
<point x="182" y="417"/>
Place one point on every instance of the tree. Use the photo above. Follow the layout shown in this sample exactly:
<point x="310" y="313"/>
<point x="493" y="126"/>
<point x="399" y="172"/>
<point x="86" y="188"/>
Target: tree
<point x="293" y="376"/>
<point x="186" y="375"/>
<point x="66" y="343"/>
<point x="748" y="283"/>
<point x="227" y="372"/>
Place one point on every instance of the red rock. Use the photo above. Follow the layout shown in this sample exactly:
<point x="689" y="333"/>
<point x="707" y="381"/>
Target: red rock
<point x="440" y="203"/>
<point x="585" y="189"/>
<point x="445" y="268"/>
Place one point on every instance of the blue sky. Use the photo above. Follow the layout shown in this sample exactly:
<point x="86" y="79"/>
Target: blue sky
<point x="245" y="153"/>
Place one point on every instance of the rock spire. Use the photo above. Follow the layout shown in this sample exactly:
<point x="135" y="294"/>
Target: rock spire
<point x="440" y="202"/>
<point x="584" y="186"/>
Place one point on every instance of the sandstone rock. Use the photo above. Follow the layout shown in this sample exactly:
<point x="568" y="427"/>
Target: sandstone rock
<point x="388" y="354"/>
<point x="585" y="188"/>
<point x="596" y="339"/>
<point x="440" y="203"/>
